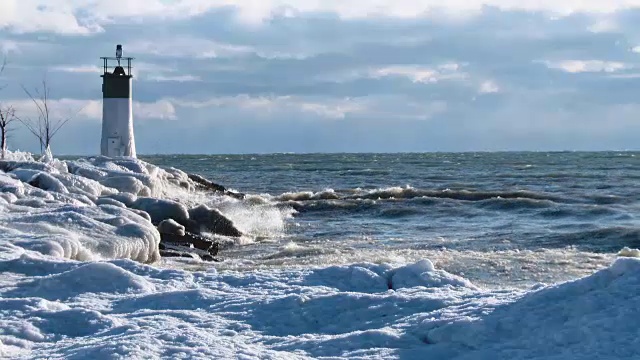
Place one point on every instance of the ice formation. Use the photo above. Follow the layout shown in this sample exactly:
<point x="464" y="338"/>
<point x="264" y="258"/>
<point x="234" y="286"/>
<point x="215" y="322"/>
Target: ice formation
<point x="69" y="288"/>
<point x="56" y="308"/>
<point x="91" y="209"/>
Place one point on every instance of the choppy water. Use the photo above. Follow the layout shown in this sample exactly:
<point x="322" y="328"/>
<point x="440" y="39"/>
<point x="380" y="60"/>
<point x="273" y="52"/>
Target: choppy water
<point x="512" y="218"/>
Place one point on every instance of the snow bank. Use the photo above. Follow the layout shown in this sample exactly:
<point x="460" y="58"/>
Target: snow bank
<point x="586" y="318"/>
<point x="90" y="209"/>
<point x="82" y="232"/>
<point x="424" y="274"/>
<point x="66" y="309"/>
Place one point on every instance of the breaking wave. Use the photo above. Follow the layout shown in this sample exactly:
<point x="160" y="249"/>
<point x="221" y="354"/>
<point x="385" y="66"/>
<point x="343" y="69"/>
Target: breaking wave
<point x="409" y="192"/>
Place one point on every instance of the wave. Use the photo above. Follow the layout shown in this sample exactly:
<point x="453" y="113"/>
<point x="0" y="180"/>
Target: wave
<point x="465" y="195"/>
<point x="603" y="239"/>
<point x="352" y="206"/>
<point x="409" y="192"/>
<point x="400" y="212"/>
<point x="511" y="204"/>
<point x="328" y="194"/>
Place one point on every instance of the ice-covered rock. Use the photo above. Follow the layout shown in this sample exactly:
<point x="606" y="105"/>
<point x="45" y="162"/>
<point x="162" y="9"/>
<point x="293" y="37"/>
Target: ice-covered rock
<point x="109" y="201"/>
<point x="103" y="208"/>
<point x="423" y="273"/>
<point x="203" y="218"/>
<point x="126" y="198"/>
<point x="85" y="186"/>
<point x="47" y="182"/>
<point x="83" y="232"/>
<point x="127" y="184"/>
<point x="170" y="226"/>
<point x="162" y="209"/>
<point x="99" y="208"/>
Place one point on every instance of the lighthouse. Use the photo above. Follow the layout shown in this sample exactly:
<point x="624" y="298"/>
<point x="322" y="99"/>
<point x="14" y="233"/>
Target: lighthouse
<point x="117" y="118"/>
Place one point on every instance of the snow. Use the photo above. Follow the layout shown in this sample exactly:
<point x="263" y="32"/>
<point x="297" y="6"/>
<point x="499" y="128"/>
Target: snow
<point x="119" y="308"/>
<point x="81" y="278"/>
<point x="90" y="209"/>
<point x="628" y="252"/>
<point x="170" y="226"/>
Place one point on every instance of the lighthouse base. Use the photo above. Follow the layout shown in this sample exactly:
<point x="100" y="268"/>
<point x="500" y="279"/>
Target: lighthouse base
<point x="117" y="128"/>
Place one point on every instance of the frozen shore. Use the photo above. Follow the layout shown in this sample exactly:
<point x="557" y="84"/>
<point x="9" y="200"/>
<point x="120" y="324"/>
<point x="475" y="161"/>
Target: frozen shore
<point x="81" y="277"/>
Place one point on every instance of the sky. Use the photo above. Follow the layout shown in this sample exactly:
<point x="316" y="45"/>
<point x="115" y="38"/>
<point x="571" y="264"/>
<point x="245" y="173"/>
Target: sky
<point x="221" y="76"/>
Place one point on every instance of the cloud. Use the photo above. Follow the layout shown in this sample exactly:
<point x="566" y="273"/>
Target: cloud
<point x="26" y="16"/>
<point x="340" y="76"/>
<point x="175" y="78"/>
<point x="78" y="69"/>
<point x="488" y="87"/>
<point x="77" y="109"/>
<point x="267" y="106"/>
<point x="420" y="74"/>
<point x="161" y="109"/>
<point x="187" y="47"/>
<point x="580" y="66"/>
<point x="87" y="17"/>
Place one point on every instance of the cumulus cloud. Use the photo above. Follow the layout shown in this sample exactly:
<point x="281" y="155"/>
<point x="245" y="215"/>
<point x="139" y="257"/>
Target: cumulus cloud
<point x="78" y="69"/>
<point x="186" y="46"/>
<point x="579" y="66"/>
<point x="175" y="78"/>
<point x="488" y="87"/>
<point x="86" y="17"/>
<point x="61" y="109"/>
<point x="313" y="75"/>
<point x="420" y="74"/>
<point x="267" y="106"/>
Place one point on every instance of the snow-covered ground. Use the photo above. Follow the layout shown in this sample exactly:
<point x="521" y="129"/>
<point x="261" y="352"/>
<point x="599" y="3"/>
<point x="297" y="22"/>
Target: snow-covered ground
<point x="81" y="277"/>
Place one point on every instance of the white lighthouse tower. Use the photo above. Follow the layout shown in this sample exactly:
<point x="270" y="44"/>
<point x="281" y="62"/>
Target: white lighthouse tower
<point x="117" y="119"/>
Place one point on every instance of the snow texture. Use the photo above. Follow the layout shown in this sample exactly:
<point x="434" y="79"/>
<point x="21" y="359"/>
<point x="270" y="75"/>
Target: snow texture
<point x="90" y="209"/>
<point x="81" y="278"/>
<point x="54" y="308"/>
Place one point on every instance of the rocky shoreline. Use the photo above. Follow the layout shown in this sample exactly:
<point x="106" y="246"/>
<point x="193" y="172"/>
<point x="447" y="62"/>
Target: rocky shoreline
<point x="126" y="192"/>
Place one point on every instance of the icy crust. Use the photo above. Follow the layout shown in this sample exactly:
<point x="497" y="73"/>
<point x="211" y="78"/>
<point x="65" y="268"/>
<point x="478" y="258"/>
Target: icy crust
<point x="90" y="209"/>
<point x="123" y="309"/>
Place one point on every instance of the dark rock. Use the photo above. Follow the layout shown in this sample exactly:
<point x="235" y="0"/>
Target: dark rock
<point x="190" y="239"/>
<point x="166" y="251"/>
<point x="206" y="183"/>
<point x="203" y="218"/>
<point x="6" y="166"/>
<point x="173" y="253"/>
<point x="211" y="186"/>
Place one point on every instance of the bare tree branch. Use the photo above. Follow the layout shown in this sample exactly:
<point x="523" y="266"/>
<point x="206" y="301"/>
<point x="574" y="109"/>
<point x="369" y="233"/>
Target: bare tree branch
<point x="7" y="116"/>
<point x="2" y="67"/>
<point x="45" y="127"/>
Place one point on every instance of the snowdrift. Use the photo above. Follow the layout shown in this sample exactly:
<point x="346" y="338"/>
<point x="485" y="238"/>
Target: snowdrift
<point x="61" y="308"/>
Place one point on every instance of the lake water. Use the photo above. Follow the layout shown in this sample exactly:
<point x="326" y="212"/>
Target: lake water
<point x="496" y="218"/>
